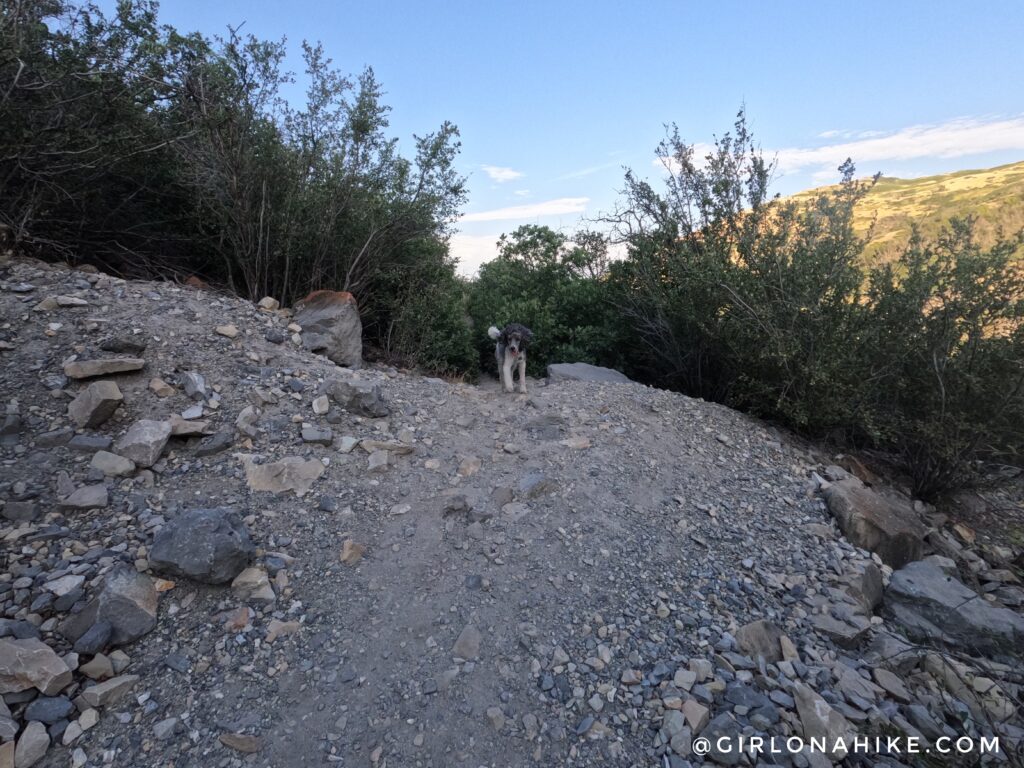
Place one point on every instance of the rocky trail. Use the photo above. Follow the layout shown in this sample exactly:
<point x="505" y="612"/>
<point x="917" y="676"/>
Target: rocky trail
<point x="220" y="549"/>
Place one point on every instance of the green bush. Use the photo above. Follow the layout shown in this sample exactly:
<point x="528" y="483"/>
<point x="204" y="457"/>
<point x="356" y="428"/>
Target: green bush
<point x="152" y="153"/>
<point x="733" y="295"/>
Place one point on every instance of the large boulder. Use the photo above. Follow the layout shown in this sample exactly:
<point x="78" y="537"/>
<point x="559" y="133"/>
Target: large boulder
<point x="933" y="606"/>
<point x="585" y="372"/>
<point x="331" y="325"/>
<point x="207" y="545"/>
<point x="885" y="525"/>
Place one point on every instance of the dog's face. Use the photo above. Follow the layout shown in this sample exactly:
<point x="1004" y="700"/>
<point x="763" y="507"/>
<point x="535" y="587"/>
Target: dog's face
<point x="515" y="339"/>
<point x="515" y="343"/>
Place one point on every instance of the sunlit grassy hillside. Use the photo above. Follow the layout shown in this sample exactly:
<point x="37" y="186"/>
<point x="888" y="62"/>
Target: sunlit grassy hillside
<point x="994" y="195"/>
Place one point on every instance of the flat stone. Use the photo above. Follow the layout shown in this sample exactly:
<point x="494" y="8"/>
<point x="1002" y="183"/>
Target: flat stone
<point x="64" y="585"/>
<point x="128" y="600"/>
<point x="160" y="388"/>
<point x="317" y="436"/>
<point x="891" y="684"/>
<point x="110" y="691"/>
<point x="165" y="728"/>
<point x="289" y="474"/>
<point x="842" y="633"/>
<point x="181" y="427"/>
<point x="760" y="638"/>
<point x="124" y="345"/>
<point x="242" y="742"/>
<point x="214" y="444"/>
<point x="87" y="369"/>
<point x="98" y="668"/>
<point x="89" y="443"/>
<point x="20" y="511"/>
<point x="32" y="745"/>
<point x="95" y="404"/>
<point x="31" y="663"/>
<point x="96" y="637"/>
<point x="585" y="372"/>
<point x="467" y="646"/>
<point x="696" y="714"/>
<point x="253" y="584"/>
<point x="194" y="385"/>
<point x="49" y="709"/>
<point x="229" y="331"/>
<point x="935" y="607"/>
<point x="144" y="442"/>
<point x="111" y="464"/>
<point x="358" y="397"/>
<point x="881" y="524"/>
<point x="86" y="497"/>
<point x="821" y="721"/>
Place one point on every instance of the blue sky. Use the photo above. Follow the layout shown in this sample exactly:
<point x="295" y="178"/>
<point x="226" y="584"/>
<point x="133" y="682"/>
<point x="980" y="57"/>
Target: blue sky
<point x="554" y="98"/>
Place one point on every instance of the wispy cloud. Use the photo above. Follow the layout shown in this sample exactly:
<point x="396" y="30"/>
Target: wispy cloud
<point x="559" y="207"/>
<point x="472" y="251"/>
<point x="954" y="138"/>
<point x="583" y="172"/>
<point x="959" y="137"/>
<point x="501" y="175"/>
<point x="522" y="193"/>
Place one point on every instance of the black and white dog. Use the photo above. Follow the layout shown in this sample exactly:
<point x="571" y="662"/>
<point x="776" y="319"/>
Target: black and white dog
<point x="512" y="340"/>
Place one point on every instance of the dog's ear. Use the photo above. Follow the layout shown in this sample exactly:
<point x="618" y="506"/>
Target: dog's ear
<point x="528" y="334"/>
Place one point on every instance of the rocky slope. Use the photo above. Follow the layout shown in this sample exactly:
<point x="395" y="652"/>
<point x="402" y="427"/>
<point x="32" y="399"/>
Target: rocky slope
<point x="219" y="549"/>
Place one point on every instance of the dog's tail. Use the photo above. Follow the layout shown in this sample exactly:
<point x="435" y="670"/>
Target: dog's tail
<point x="493" y="332"/>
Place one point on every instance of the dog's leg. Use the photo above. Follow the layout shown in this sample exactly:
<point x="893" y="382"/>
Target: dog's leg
<point x="522" y="373"/>
<point x="506" y="373"/>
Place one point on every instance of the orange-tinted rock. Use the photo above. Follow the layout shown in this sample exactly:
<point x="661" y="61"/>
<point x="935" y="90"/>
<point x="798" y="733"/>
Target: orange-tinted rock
<point x="331" y="326"/>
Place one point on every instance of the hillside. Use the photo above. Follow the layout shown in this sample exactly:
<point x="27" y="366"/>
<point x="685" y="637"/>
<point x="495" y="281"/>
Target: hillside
<point x="220" y="549"/>
<point x="994" y="195"/>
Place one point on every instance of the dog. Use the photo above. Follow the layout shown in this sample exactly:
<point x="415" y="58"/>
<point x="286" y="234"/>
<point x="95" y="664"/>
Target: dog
<point x="510" y="349"/>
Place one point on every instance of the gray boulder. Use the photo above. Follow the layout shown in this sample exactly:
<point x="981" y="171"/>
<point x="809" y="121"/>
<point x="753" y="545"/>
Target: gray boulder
<point x="585" y="372"/>
<point x="933" y="606"/>
<point x="207" y="545"/>
<point x="331" y="325"/>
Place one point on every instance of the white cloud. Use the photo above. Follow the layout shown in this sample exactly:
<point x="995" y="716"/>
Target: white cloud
<point x="583" y="172"/>
<point x="522" y="193"/>
<point x="501" y="175"/>
<point x="472" y="251"/>
<point x="559" y="207"/>
<point x="953" y="138"/>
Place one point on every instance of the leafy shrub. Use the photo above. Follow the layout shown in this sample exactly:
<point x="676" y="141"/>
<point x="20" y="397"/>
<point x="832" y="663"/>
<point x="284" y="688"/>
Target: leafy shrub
<point x="149" y="152"/>
<point x="734" y="295"/>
